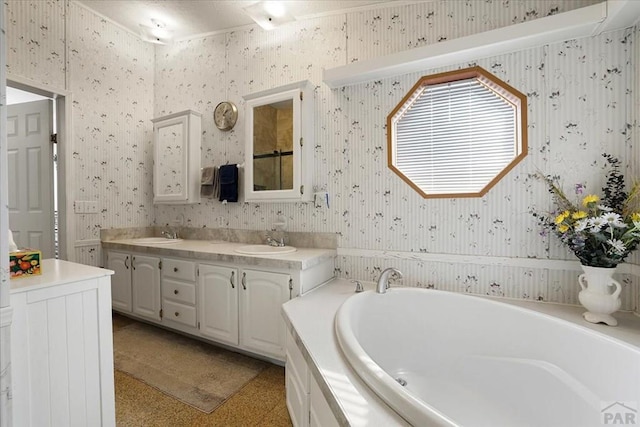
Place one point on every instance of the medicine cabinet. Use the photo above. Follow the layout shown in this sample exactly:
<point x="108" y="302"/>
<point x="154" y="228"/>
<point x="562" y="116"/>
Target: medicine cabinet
<point x="176" y="158"/>
<point x="279" y="144"/>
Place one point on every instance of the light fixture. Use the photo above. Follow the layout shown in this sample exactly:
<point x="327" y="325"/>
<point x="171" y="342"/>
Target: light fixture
<point x="156" y="33"/>
<point x="269" y="14"/>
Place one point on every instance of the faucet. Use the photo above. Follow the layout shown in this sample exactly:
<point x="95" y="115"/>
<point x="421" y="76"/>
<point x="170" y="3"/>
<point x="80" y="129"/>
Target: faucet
<point x="273" y="242"/>
<point x="383" y="280"/>
<point x="170" y="234"/>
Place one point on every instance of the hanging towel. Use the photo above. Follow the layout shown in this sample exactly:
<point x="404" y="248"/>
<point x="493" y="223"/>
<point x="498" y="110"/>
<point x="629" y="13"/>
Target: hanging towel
<point x="206" y="182"/>
<point x="229" y="183"/>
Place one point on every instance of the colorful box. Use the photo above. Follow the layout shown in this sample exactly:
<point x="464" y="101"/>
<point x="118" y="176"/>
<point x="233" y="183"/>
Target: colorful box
<point x="24" y="263"/>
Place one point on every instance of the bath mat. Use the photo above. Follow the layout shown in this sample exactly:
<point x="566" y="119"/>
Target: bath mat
<point x="191" y="371"/>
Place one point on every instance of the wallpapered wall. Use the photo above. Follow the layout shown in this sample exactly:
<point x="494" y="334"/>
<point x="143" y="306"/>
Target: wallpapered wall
<point x="580" y="105"/>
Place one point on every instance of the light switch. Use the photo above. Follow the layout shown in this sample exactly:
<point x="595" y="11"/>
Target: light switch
<point x="91" y="207"/>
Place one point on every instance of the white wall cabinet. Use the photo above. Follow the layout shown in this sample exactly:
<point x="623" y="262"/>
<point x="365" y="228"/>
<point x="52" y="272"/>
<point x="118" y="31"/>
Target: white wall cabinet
<point x="62" y="347"/>
<point x="176" y="162"/>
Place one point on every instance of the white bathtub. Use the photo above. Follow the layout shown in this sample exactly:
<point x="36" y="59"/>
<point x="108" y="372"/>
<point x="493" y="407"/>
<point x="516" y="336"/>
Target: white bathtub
<point x="471" y="361"/>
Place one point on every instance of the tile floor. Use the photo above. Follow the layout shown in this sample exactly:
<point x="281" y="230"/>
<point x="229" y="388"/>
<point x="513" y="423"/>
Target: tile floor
<point x="259" y="403"/>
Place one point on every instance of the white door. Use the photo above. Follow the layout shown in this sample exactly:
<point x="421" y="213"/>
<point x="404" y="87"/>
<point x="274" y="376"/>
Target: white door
<point x="120" y="281"/>
<point x="218" y="303"/>
<point x="262" y="328"/>
<point x="30" y="159"/>
<point x="145" y="286"/>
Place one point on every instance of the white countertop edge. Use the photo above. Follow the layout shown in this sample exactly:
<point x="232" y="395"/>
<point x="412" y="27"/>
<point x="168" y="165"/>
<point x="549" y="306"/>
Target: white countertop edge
<point x="311" y="320"/>
<point x="56" y="272"/>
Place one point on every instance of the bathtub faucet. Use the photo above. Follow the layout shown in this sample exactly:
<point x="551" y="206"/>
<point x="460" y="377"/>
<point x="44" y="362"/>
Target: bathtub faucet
<point x="383" y="280"/>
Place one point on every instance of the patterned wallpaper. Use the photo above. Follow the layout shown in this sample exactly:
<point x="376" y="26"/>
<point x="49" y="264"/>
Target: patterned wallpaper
<point x="580" y="104"/>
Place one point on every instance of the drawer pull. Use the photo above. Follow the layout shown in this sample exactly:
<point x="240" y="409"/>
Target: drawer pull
<point x="244" y="281"/>
<point x="233" y="285"/>
<point x="177" y="314"/>
<point x="175" y="292"/>
<point x="175" y="269"/>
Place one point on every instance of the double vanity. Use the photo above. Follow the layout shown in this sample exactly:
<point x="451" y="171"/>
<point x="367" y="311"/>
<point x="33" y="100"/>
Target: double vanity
<point x="228" y="293"/>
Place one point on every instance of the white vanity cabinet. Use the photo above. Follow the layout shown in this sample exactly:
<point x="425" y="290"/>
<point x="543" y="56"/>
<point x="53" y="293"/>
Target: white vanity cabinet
<point x="176" y="161"/>
<point x="218" y="303"/>
<point x="135" y="286"/>
<point x="179" y="291"/>
<point x="262" y="329"/>
<point x="241" y="307"/>
<point x="120" y="263"/>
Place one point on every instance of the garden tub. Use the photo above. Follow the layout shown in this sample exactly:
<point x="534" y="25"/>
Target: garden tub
<point x="442" y="358"/>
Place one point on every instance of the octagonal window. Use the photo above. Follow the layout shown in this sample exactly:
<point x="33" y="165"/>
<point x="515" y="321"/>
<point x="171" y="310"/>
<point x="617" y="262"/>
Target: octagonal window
<point x="456" y="134"/>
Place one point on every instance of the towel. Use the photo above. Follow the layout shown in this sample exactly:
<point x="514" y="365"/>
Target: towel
<point x="229" y="183"/>
<point x="208" y="182"/>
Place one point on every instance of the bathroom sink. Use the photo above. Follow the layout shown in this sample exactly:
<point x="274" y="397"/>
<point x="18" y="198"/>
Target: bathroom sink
<point x="265" y="250"/>
<point x="156" y="240"/>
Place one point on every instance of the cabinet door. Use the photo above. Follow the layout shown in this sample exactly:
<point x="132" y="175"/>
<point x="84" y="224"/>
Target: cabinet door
<point x="120" y="281"/>
<point x="262" y="328"/>
<point x="218" y="303"/>
<point x="170" y="159"/>
<point x="320" y="414"/>
<point x="145" y="285"/>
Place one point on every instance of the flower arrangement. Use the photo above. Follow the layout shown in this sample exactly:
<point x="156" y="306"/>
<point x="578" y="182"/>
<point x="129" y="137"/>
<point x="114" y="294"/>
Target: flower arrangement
<point x="601" y="232"/>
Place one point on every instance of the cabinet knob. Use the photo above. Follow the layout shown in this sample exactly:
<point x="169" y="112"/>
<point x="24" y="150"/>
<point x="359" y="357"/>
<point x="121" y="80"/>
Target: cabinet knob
<point x="177" y="314"/>
<point x="175" y="292"/>
<point x="175" y="269"/>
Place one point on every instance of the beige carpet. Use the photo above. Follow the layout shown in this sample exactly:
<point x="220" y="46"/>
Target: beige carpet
<point x="194" y="372"/>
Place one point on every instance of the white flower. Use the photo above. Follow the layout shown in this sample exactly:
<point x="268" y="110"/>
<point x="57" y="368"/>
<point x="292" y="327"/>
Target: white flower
<point x="604" y="208"/>
<point x="596" y="224"/>
<point x="617" y="246"/>
<point x="613" y="219"/>
<point x="581" y="225"/>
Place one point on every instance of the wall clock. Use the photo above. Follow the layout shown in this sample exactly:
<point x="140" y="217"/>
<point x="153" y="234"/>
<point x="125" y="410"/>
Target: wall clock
<point x="225" y="115"/>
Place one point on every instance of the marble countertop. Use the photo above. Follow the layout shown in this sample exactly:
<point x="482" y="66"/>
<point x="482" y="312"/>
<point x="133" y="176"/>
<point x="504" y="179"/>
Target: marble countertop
<point x="212" y="250"/>
<point x="57" y="272"/>
<point x="311" y="319"/>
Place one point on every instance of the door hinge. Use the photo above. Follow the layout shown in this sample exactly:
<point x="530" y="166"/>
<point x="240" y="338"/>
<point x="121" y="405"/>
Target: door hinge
<point x="198" y="325"/>
<point x="302" y="189"/>
<point x="198" y="274"/>
<point x="290" y="287"/>
<point x="159" y="265"/>
<point x="301" y="95"/>
<point x="301" y="141"/>
<point x="54" y="138"/>
<point x="161" y="313"/>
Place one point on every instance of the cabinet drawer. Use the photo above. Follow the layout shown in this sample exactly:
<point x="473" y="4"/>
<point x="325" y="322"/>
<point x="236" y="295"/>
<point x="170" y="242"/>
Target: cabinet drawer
<point x="183" y="270"/>
<point x="179" y="291"/>
<point x="179" y="313"/>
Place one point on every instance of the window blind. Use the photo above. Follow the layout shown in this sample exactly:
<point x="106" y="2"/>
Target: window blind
<point x="455" y="137"/>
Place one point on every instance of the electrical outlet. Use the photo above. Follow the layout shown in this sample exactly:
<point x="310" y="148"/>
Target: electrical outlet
<point x="91" y="207"/>
<point x="79" y="206"/>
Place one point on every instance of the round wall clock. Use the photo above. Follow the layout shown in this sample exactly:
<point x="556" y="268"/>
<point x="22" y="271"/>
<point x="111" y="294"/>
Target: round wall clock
<point x="225" y="115"/>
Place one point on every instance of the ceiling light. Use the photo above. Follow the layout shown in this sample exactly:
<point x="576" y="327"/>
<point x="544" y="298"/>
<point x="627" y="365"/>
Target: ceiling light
<point x="269" y="14"/>
<point x="156" y="32"/>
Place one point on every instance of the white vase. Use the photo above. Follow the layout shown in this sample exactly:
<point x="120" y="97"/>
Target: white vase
<point x="600" y="294"/>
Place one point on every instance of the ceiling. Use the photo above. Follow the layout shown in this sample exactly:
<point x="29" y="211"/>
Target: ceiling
<point x="189" y="18"/>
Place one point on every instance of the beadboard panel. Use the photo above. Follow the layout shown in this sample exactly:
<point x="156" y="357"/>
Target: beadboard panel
<point x="36" y="40"/>
<point x="111" y="78"/>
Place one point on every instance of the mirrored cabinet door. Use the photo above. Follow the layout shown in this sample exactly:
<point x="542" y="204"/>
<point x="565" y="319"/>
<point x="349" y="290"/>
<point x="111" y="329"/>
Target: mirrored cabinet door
<point x="279" y="131"/>
<point x="176" y="166"/>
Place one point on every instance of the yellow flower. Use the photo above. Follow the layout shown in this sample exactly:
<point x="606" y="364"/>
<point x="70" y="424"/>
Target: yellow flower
<point x="563" y="228"/>
<point x="591" y="198"/>
<point x="579" y="215"/>
<point x="635" y="217"/>
<point x="560" y="218"/>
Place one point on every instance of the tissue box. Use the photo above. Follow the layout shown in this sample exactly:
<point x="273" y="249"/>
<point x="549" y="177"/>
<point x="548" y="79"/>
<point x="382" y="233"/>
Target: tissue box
<point x="25" y="262"/>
